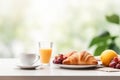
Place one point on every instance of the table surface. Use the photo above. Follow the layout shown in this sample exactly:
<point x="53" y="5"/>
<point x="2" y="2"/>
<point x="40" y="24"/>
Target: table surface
<point x="8" y="67"/>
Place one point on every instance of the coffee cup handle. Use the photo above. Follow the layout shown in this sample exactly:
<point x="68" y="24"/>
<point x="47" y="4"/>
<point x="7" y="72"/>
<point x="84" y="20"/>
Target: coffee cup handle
<point x="38" y="57"/>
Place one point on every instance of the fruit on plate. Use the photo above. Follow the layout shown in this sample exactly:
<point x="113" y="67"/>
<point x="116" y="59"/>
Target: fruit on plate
<point x="75" y="58"/>
<point x="115" y="63"/>
<point x="106" y="56"/>
<point x="59" y="58"/>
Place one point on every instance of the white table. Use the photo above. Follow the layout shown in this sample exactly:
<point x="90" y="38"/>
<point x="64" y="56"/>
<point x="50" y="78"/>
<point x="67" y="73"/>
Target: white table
<point x="9" y="71"/>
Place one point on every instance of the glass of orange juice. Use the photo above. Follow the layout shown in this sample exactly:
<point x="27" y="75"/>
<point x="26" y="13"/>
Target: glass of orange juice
<point x="45" y="51"/>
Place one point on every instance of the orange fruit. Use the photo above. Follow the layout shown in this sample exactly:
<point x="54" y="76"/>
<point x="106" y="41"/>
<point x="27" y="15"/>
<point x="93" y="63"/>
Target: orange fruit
<point x="106" y="56"/>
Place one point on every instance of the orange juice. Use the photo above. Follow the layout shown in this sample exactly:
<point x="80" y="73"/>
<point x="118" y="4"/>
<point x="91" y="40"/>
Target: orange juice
<point x="45" y="54"/>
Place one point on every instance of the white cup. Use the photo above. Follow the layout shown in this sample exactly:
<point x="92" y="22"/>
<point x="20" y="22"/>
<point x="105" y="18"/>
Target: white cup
<point x="28" y="59"/>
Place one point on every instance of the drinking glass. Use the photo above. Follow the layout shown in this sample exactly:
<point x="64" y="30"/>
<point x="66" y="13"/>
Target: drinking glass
<point x="45" y="51"/>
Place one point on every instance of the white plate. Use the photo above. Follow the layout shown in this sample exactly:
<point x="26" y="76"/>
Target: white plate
<point x="27" y="67"/>
<point x="76" y="66"/>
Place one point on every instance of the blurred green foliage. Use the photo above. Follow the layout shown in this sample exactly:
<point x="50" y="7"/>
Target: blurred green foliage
<point x="106" y="40"/>
<point x="113" y="18"/>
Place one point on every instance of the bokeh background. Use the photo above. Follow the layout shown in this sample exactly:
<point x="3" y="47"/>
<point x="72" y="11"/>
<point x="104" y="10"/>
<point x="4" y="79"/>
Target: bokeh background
<point x="70" y="24"/>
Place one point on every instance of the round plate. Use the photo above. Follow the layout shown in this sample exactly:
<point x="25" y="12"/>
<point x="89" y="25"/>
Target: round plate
<point x="27" y="67"/>
<point x="75" y="66"/>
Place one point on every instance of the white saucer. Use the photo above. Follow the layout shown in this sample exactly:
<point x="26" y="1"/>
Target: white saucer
<point x="28" y="67"/>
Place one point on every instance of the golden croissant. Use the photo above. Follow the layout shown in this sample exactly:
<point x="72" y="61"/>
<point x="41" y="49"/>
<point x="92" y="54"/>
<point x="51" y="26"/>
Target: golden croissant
<point x="80" y="58"/>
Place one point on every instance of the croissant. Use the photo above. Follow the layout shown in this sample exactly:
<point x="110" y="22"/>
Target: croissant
<point x="80" y="58"/>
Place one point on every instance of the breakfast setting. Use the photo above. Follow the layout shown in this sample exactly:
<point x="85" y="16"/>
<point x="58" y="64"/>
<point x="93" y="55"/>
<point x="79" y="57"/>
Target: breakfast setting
<point x="82" y="63"/>
<point x="59" y="39"/>
<point x="108" y="61"/>
<point x="70" y="63"/>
